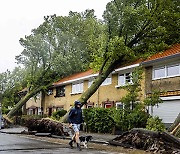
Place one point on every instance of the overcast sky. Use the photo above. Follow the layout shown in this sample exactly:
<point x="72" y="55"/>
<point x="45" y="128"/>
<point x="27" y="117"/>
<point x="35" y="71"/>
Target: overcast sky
<point x="19" y="17"/>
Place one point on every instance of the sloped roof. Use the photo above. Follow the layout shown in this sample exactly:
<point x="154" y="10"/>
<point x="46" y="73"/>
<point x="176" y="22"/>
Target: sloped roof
<point x="173" y="50"/>
<point x="74" y="76"/>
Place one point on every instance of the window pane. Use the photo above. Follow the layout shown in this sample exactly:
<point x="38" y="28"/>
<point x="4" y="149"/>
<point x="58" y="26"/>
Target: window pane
<point x="73" y="88"/>
<point x="128" y="77"/>
<point x="121" y="80"/>
<point x="107" y="81"/>
<point x="90" y="83"/>
<point x="159" y="73"/>
<point x="81" y="87"/>
<point x="172" y="70"/>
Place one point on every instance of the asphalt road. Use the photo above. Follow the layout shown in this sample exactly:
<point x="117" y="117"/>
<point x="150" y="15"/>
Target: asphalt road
<point x="15" y="144"/>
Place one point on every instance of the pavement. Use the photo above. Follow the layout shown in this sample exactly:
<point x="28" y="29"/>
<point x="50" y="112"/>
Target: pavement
<point x="97" y="137"/>
<point x="19" y="144"/>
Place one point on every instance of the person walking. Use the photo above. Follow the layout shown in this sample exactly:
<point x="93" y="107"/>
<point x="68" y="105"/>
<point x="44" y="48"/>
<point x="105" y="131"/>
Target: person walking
<point x="75" y="119"/>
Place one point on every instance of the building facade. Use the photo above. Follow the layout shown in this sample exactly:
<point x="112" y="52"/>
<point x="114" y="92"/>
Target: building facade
<point x="161" y="72"/>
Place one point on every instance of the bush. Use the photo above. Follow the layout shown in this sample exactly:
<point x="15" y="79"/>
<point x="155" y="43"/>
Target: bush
<point x="155" y="124"/>
<point x="128" y="119"/>
<point x="98" y="120"/>
<point x="137" y="119"/>
<point x="58" y="114"/>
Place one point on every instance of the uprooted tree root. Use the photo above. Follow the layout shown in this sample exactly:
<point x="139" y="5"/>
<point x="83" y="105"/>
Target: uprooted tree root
<point x="47" y="126"/>
<point x="151" y="141"/>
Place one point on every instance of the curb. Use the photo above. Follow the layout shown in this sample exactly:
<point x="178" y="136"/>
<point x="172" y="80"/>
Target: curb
<point x="69" y="138"/>
<point x="10" y="132"/>
<point x="59" y="137"/>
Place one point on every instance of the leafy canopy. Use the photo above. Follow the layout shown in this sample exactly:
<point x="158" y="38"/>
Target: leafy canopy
<point x="59" y="47"/>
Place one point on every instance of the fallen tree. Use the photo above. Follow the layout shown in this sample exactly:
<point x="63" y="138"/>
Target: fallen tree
<point x="174" y="129"/>
<point x="151" y="141"/>
<point x="47" y="126"/>
<point x="134" y="29"/>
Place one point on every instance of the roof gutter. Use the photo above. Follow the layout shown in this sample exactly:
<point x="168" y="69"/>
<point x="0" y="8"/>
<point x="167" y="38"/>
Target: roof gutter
<point x="161" y="59"/>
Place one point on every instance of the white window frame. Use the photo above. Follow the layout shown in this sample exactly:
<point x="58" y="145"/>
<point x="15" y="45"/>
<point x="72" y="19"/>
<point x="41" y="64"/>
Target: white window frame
<point x="77" y="87"/>
<point x="90" y="82"/>
<point x="166" y="71"/>
<point x="119" y="103"/>
<point x="106" y="82"/>
<point x="157" y="68"/>
<point x="172" y="66"/>
<point x="124" y="79"/>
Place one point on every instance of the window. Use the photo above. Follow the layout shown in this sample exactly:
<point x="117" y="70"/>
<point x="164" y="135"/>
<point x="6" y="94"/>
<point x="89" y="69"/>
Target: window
<point x="123" y="79"/>
<point x="60" y="91"/>
<point x="166" y="71"/>
<point x="90" y="82"/>
<point x="173" y="70"/>
<point x="119" y="105"/>
<point x="50" y="92"/>
<point x="77" y="88"/>
<point x="107" y="81"/>
<point x="159" y="73"/>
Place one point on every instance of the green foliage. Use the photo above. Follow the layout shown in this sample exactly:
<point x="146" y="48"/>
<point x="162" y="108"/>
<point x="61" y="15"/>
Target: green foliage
<point x="155" y="124"/>
<point x="153" y="99"/>
<point x="128" y="119"/>
<point x="10" y="84"/>
<point x="59" y="47"/>
<point x="98" y="120"/>
<point x="58" y="114"/>
<point x="133" y="90"/>
<point x="105" y="120"/>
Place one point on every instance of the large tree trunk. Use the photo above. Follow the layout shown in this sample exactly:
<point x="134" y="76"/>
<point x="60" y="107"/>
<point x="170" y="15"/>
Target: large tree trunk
<point x="176" y="122"/>
<point x="175" y="127"/>
<point x="92" y="89"/>
<point x="23" y="101"/>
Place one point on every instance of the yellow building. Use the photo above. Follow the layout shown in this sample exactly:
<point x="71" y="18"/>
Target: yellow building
<point x="161" y="72"/>
<point x="67" y="90"/>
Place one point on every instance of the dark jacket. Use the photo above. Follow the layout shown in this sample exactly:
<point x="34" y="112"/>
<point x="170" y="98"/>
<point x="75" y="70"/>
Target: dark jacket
<point x="75" y="116"/>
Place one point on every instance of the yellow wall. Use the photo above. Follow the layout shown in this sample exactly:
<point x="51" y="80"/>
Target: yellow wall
<point x="104" y="93"/>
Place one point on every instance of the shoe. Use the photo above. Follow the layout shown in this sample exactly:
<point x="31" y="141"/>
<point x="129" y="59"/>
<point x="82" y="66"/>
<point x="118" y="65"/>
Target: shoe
<point x="71" y="143"/>
<point x="79" y="147"/>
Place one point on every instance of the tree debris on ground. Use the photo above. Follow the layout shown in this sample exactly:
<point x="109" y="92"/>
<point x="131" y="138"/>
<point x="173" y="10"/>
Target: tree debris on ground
<point x="47" y="126"/>
<point x="175" y="127"/>
<point x="150" y="141"/>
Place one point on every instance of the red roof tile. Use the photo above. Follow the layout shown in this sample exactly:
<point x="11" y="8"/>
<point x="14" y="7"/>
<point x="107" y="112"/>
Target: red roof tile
<point x="75" y="76"/>
<point x="175" y="49"/>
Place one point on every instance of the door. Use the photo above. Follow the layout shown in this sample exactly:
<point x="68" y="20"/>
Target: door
<point x="50" y="112"/>
<point x="168" y="110"/>
<point x="108" y="105"/>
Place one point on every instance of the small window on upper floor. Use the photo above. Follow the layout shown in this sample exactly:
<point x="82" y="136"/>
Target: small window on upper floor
<point x="159" y="72"/>
<point x="173" y="70"/>
<point x="166" y="71"/>
<point x="124" y="79"/>
<point x="107" y="81"/>
<point x="60" y="91"/>
<point x="77" y="88"/>
<point x="50" y="92"/>
<point x="90" y="82"/>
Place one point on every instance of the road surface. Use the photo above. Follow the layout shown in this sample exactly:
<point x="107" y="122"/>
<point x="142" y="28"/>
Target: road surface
<point x="15" y="144"/>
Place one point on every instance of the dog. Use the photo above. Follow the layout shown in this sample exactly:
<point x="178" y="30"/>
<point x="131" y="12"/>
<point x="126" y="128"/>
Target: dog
<point x="84" y="140"/>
